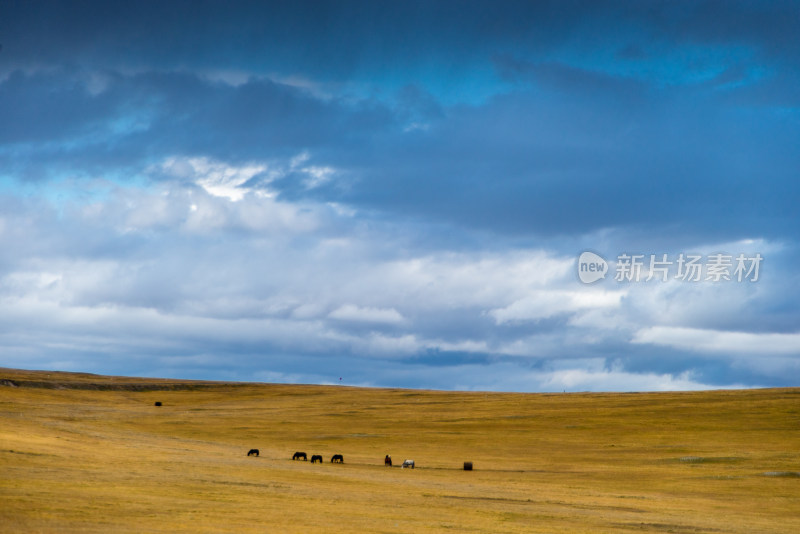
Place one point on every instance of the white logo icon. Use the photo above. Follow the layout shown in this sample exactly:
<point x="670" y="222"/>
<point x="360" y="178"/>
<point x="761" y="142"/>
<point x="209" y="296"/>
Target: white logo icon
<point x="591" y="267"/>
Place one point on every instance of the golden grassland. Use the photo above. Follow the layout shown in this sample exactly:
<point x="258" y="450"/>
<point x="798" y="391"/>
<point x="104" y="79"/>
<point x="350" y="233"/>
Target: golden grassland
<point x="87" y="453"/>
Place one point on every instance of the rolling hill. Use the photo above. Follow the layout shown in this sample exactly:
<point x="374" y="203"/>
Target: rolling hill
<point x="89" y="453"/>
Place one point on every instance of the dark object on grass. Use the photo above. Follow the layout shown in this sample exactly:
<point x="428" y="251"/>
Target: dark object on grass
<point x="467" y="466"/>
<point x="299" y="455"/>
<point x="387" y="461"/>
<point x="158" y="403"/>
<point x="316" y="458"/>
<point x="252" y="452"/>
<point x="337" y="458"/>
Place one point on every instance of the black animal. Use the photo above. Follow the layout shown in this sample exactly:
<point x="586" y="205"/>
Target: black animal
<point x="316" y="458"/>
<point x="252" y="452"/>
<point x="158" y="403"/>
<point x="299" y="455"/>
<point x="337" y="458"/>
<point x="387" y="461"/>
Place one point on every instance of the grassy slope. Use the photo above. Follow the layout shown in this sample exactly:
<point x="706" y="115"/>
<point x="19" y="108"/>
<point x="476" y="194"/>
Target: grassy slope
<point x="108" y="460"/>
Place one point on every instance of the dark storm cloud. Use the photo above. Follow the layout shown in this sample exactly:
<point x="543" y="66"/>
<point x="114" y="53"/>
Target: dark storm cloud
<point x="571" y="148"/>
<point x="582" y="158"/>
<point x="144" y="117"/>
<point x="576" y="152"/>
<point x="41" y="108"/>
<point x="334" y="38"/>
<point x="340" y="40"/>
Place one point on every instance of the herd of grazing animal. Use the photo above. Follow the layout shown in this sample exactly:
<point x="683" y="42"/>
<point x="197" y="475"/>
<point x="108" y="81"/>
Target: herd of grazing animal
<point x="337" y="458"/>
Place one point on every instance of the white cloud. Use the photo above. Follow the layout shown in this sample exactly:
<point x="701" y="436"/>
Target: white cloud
<point x="351" y="312"/>
<point x="504" y="376"/>
<point x="390" y="346"/>
<point x="317" y="176"/>
<point x="702" y="340"/>
<point x="217" y="178"/>
<point x="616" y="380"/>
<point x="542" y="304"/>
<point x="176" y="276"/>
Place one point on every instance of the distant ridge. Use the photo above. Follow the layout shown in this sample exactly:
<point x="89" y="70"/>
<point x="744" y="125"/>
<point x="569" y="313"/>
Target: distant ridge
<point x="88" y="381"/>
<point x="42" y="379"/>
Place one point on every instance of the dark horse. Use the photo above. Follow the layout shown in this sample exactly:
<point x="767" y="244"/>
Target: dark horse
<point x="299" y="455"/>
<point x="316" y="458"/>
<point x="252" y="452"/>
<point x="337" y="458"/>
<point x="387" y="461"/>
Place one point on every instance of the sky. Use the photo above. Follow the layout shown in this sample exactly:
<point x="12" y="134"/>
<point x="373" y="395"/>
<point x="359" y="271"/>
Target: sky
<point x="400" y="194"/>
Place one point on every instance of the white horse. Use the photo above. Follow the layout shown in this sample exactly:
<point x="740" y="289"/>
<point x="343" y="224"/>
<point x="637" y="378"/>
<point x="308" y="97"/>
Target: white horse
<point x="408" y="463"/>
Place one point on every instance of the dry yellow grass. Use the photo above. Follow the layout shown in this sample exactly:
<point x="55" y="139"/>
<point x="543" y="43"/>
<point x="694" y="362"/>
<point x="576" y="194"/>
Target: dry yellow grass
<point x="107" y="460"/>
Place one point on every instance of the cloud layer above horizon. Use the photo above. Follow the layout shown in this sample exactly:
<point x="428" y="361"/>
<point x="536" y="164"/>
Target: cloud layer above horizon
<point x="396" y="194"/>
